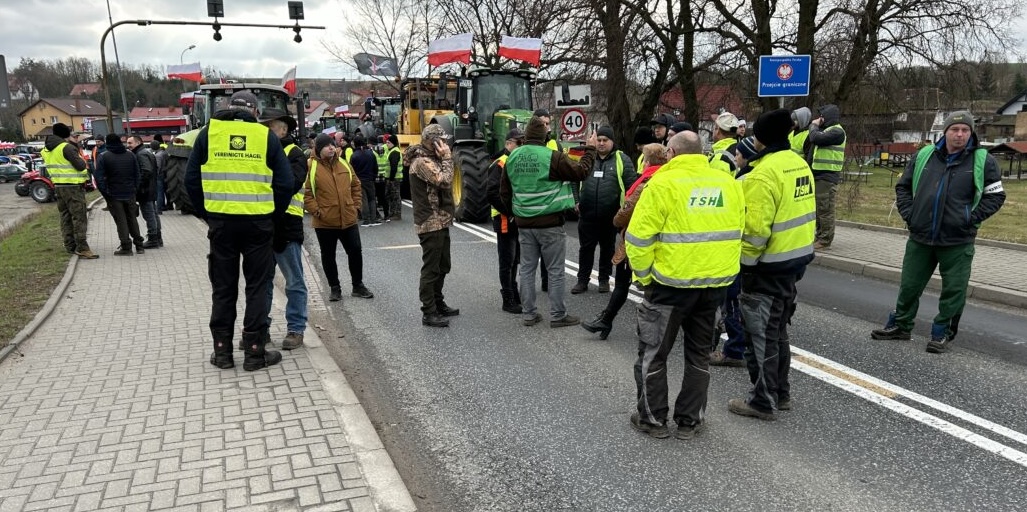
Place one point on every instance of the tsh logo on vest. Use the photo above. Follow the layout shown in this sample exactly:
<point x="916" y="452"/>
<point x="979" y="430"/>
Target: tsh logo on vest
<point x="803" y="187"/>
<point x="237" y="142"/>
<point x="706" y="198"/>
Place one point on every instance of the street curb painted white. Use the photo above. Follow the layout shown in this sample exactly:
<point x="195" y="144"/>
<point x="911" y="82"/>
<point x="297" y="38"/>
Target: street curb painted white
<point x="388" y="492"/>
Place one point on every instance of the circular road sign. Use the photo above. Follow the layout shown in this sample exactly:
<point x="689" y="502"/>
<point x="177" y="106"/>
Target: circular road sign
<point x="573" y="121"/>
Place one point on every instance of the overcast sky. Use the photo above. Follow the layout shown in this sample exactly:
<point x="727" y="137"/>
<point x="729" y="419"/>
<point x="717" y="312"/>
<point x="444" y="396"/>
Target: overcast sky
<point x="43" y="29"/>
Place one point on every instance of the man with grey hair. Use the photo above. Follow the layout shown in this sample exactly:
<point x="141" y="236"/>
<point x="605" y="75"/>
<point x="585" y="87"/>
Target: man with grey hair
<point x="240" y="208"/>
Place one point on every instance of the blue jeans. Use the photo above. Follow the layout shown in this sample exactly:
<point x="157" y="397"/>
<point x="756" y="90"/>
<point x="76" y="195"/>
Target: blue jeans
<point x="148" y="209"/>
<point x="161" y="200"/>
<point x="551" y="245"/>
<point x="734" y="347"/>
<point x="290" y="262"/>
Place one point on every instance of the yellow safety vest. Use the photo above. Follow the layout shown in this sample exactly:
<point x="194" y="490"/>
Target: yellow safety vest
<point x="686" y="230"/>
<point x="501" y="162"/>
<point x="798" y="142"/>
<point x="830" y="158"/>
<point x="720" y="149"/>
<point x="60" y="169"/>
<point x="383" y="163"/>
<point x="782" y="182"/>
<point x="312" y="175"/>
<point x="236" y="179"/>
<point x="296" y="201"/>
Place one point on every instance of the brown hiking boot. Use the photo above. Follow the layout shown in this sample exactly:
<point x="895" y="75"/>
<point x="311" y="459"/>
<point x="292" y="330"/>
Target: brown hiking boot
<point x="293" y="340"/>
<point x="741" y="408"/>
<point x="86" y="254"/>
<point x="717" y="358"/>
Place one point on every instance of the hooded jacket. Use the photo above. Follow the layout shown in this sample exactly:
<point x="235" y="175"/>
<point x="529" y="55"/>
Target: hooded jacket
<point x="561" y="168"/>
<point x="117" y="173"/>
<point x="334" y="200"/>
<point x="819" y="137"/>
<point x="281" y="174"/>
<point x="941" y="211"/>
<point x="431" y="183"/>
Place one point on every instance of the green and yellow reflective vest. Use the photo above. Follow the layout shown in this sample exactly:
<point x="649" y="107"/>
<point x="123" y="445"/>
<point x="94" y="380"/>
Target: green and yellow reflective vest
<point x="60" y="169"/>
<point x="781" y="216"/>
<point x="686" y="231"/>
<point x="720" y="152"/>
<point x="980" y="156"/>
<point x="534" y="193"/>
<point x="236" y="179"/>
<point x="830" y="158"/>
<point x="296" y="201"/>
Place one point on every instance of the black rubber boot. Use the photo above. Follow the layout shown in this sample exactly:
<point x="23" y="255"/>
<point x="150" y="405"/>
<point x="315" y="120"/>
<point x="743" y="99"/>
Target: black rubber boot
<point x="153" y="242"/>
<point x="603" y="324"/>
<point x="222" y="355"/>
<point x="509" y="304"/>
<point x="256" y="356"/>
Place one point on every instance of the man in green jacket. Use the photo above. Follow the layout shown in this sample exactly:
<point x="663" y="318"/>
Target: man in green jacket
<point x="944" y="195"/>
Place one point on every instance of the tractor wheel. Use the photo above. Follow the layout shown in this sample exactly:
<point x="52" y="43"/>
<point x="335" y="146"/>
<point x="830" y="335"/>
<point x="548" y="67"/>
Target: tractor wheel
<point x="174" y="182"/>
<point x="21" y="188"/>
<point x="41" y="192"/>
<point x="472" y="167"/>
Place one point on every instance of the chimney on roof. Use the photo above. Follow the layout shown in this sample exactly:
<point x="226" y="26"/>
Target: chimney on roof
<point x="76" y="107"/>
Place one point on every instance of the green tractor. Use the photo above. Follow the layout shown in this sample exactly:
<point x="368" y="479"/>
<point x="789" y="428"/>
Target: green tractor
<point x="205" y="102"/>
<point x="478" y="109"/>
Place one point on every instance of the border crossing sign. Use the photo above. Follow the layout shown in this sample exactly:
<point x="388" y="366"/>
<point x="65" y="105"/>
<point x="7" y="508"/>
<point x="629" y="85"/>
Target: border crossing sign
<point x="783" y="75"/>
<point x="573" y="121"/>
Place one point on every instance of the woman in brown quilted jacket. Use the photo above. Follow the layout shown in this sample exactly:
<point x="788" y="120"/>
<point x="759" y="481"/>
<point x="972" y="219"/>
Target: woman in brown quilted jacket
<point x="333" y="197"/>
<point x="653" y="157"/>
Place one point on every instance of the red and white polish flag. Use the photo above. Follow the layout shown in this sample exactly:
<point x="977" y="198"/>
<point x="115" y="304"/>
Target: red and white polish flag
<point x="527" y="49"/>
<point x="289" y="81"/>
<point x="450" y="49"/>
<point x="186" y="71"/>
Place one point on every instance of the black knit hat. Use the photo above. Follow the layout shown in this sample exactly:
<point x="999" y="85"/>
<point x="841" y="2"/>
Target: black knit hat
<point x="605" y="131"/>
<point x="62" y="130"/>
<point x="321" y="141"/>
<point x="772" y="127"/>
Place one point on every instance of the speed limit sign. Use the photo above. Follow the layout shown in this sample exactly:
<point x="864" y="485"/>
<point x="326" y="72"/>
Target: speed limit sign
<point x="573" y="121"/>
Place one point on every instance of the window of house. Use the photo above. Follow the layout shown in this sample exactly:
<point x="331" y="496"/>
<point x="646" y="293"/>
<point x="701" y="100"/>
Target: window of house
<point x="33" y="121"/>
<point x="53" y="119"/>
<point x="42" y="120"/>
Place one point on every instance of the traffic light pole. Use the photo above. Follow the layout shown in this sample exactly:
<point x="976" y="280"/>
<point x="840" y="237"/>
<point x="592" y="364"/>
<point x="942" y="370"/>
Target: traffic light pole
<point x="142" y="23"/>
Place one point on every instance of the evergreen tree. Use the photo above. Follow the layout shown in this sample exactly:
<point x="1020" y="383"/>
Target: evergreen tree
<point x="1019" y="83"/>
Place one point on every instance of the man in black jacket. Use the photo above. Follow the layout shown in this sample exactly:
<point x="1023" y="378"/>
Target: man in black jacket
<point x="147" y="195"/>
<point x="288" y="239"/>
<point x="240" y="225"/>
<point x="943" y="195"/>
<point x="366" y="166"/>
<point x="599" y="198"/>
<point x="117" y="178"/>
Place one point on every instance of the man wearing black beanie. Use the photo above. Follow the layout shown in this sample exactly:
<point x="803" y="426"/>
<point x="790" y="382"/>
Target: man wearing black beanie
<point x="69" y="172"/>
<point x="777" y="244"/>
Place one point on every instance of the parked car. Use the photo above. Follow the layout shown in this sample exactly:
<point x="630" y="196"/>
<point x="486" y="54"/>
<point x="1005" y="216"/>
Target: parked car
<point x="11" y="172"/>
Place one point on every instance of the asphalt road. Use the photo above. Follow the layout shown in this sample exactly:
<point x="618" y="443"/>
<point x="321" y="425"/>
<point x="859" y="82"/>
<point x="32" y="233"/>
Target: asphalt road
<point x="13" y="208"/>
<point x="491" y="415"/>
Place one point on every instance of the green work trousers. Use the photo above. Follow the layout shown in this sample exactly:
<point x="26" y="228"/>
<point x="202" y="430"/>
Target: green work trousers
<point x="918" y="264"/>
<point x="71" y="203"/>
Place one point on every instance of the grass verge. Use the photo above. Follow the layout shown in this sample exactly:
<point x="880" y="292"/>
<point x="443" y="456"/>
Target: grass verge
<point x="34" y="262"/>
<point x="870" y="202"/>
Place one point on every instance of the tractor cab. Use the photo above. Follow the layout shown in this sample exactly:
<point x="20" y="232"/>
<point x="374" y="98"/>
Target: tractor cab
<point x="491" y="102"/>
<point x="214" y="97"/>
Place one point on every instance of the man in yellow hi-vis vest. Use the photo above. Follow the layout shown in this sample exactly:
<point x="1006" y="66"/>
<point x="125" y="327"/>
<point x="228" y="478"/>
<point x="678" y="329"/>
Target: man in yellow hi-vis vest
<point x="287" y="243"/>
<point x="239" y="180"/>
<point x="827" y="159"/>
<point x="684" y="242"/>
<point x="68" y="171"/>
<point x="780" y="221"/>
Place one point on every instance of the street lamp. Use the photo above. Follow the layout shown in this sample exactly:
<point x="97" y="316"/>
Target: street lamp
<point x="182" y="57"/>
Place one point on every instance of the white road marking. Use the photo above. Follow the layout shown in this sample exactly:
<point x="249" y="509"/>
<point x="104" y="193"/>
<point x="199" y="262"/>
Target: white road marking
<point x="864" y="392"/>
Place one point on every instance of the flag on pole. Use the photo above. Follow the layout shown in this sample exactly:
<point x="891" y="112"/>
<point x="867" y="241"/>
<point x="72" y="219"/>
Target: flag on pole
<point x="186" y="71"/>
<point x="527" y="49"/>
<point x="289" y="81"/>
<point x="369" y="64"/>
<point x="450" y="49"/>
